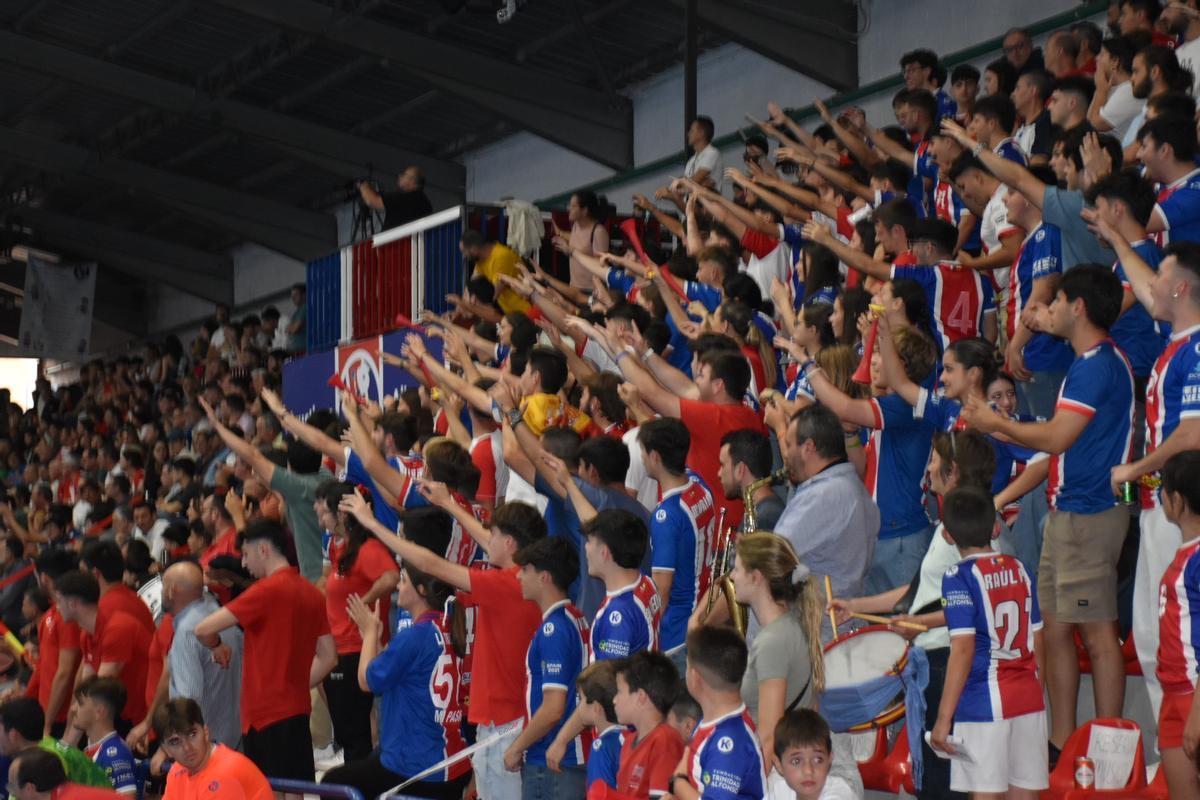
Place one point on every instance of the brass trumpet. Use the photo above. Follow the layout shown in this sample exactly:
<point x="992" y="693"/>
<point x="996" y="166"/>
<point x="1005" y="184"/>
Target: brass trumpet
<point x="722" y="566"/>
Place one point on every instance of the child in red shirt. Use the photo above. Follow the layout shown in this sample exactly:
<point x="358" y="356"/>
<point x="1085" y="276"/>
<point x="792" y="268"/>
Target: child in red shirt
<point x="647" y="683"/>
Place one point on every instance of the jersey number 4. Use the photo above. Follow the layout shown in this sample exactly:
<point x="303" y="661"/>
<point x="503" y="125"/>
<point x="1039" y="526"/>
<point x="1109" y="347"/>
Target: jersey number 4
<point x="960" y="316"/>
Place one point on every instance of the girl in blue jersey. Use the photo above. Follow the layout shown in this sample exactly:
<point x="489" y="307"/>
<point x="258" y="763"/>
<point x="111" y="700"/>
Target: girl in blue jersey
<point x="417" y="680"/>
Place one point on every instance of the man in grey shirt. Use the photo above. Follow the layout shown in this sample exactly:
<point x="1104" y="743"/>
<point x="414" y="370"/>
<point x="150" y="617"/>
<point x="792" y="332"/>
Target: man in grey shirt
<point x="297" y="484"/>
<point x="831" y="520"/>
<point x="194" y="671"/>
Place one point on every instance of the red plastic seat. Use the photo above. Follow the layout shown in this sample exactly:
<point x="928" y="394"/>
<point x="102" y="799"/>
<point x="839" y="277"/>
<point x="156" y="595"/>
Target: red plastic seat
<point x="873" y="769"/>
<point x="1062" y="778"/>
<point x="1128" y="652"/>
<point x="888" y="772"/>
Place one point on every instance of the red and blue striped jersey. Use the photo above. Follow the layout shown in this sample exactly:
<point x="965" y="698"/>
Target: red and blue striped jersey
<point x="627" y="621"/>
<point x="1179" y="208"/>
<point x="958" y="297"/>
<point x="1172" y="393"/>
<point x="681" y="538"/>
<point x="557" y="654"/>
<point x="1099" y="385"/>
<point x="949" y="206"/>
<point x="724" y="759"/>
<point x="1039" y="256"/>
<point x="1179" y="620"/>
<point x="990" y="596"/>
<point x="897" y="452"/>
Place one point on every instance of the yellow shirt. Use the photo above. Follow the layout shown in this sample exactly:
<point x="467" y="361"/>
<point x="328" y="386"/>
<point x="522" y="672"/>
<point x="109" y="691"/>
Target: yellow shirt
<point x="541" y="411"/>
<point x="502" y="261"/>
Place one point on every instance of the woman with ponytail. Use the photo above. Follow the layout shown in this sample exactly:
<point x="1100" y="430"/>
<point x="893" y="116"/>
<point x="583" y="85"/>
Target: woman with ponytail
<point x="786" y="668"/>
<point x="736" y="320"/>
<point x="418" y="680"/>
<point x="362" y="566"/>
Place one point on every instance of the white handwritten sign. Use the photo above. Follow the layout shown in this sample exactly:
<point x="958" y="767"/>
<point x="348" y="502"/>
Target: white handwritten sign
<point x="1112" y="751"/>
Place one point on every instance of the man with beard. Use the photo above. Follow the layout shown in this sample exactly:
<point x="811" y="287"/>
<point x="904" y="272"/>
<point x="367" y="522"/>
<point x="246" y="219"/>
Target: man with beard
<point x="745" y="457"/>
<point x="1156" y="70"/>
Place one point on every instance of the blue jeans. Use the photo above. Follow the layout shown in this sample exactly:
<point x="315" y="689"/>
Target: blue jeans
<point x="896" y="561"/>
<point x="1027" y="529"/>
<point x="539" y="782"/>
<point x="1039" y="395"/>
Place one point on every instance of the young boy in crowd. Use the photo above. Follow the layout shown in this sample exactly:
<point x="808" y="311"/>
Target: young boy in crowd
<point x="723" y="759"/>
<point x="993" y="693"/>
<point x="556" y="656"/>
<point x="1178" y="642"/>
<point x="627" y="620"/>
<point x="804" y="747"/>
<point x="685" y="713"/>
<point x="597" y="686"/>
<point x="646" y="686"/>
<point x="99" y="703"/>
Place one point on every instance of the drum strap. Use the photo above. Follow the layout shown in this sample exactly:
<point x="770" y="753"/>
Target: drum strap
<point x="796" y="702"/>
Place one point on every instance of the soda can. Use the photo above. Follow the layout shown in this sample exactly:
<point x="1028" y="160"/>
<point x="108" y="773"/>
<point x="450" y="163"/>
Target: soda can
<point x="1085" y="773"/>
<point x="1129" y="493"/>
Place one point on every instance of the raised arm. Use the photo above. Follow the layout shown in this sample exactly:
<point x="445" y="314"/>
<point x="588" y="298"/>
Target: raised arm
<point x="369" y="196"/>
<point x="477" y="397"/>
<point x="386" y="477"/>
<point x="1010" y="173"/>
<point x="315" y="438"/>
<point x="420" y="557"/>
<point x="893" y="371"/>
<point x="847" y="408"/>
<point x="855" y="258"/>
<point x="262" y="466"/>
<point x="1054" y="435"/>
<point x="842" y="180"/>
<point x="854" y="143"/>
<point x="890" y="148"/>
<point x="654" y="393"/>
<point x="668" y="221"/>
<point x="667" y="375"/>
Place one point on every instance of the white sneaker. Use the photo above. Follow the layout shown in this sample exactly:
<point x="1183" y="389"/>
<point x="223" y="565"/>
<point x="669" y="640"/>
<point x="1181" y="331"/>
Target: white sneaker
<point x="326" y="758"/>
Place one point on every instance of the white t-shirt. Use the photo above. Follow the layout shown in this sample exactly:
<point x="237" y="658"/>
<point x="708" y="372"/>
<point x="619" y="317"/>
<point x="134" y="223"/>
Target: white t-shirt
<point x="835" y="789"/>
<point x="775" y="264"/>
<point x="520" y="490"/>
<point x="710" y="159"/>
<point x="636" y="478"/>
<point x="993" y="226"/>
<point x="153" y="538"/>
<point x="940" y="556"/>
<point x="1121" y="109"/>
<point x="1188" y="54"/>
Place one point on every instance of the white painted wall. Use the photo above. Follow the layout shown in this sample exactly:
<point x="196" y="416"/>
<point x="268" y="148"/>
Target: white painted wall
<point x="732" y="82"/>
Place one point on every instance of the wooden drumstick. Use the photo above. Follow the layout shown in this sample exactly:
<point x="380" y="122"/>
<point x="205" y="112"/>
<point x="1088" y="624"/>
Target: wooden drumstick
<point x="829" y="604"/>
<point x="903" y="623"/>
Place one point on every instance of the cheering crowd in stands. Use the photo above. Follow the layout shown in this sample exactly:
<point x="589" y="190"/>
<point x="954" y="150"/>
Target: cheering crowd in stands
<point x="945" y="370"/>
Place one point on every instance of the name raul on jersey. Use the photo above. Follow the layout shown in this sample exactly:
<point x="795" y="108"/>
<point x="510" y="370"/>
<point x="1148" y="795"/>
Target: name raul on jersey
<point x="998" y="580"/>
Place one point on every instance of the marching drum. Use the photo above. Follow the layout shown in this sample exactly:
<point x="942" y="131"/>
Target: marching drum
<point x="863" y="689"/>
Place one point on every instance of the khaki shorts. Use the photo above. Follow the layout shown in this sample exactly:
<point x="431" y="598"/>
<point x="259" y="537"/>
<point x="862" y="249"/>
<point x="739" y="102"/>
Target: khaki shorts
<point x="1077" y="574"/>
